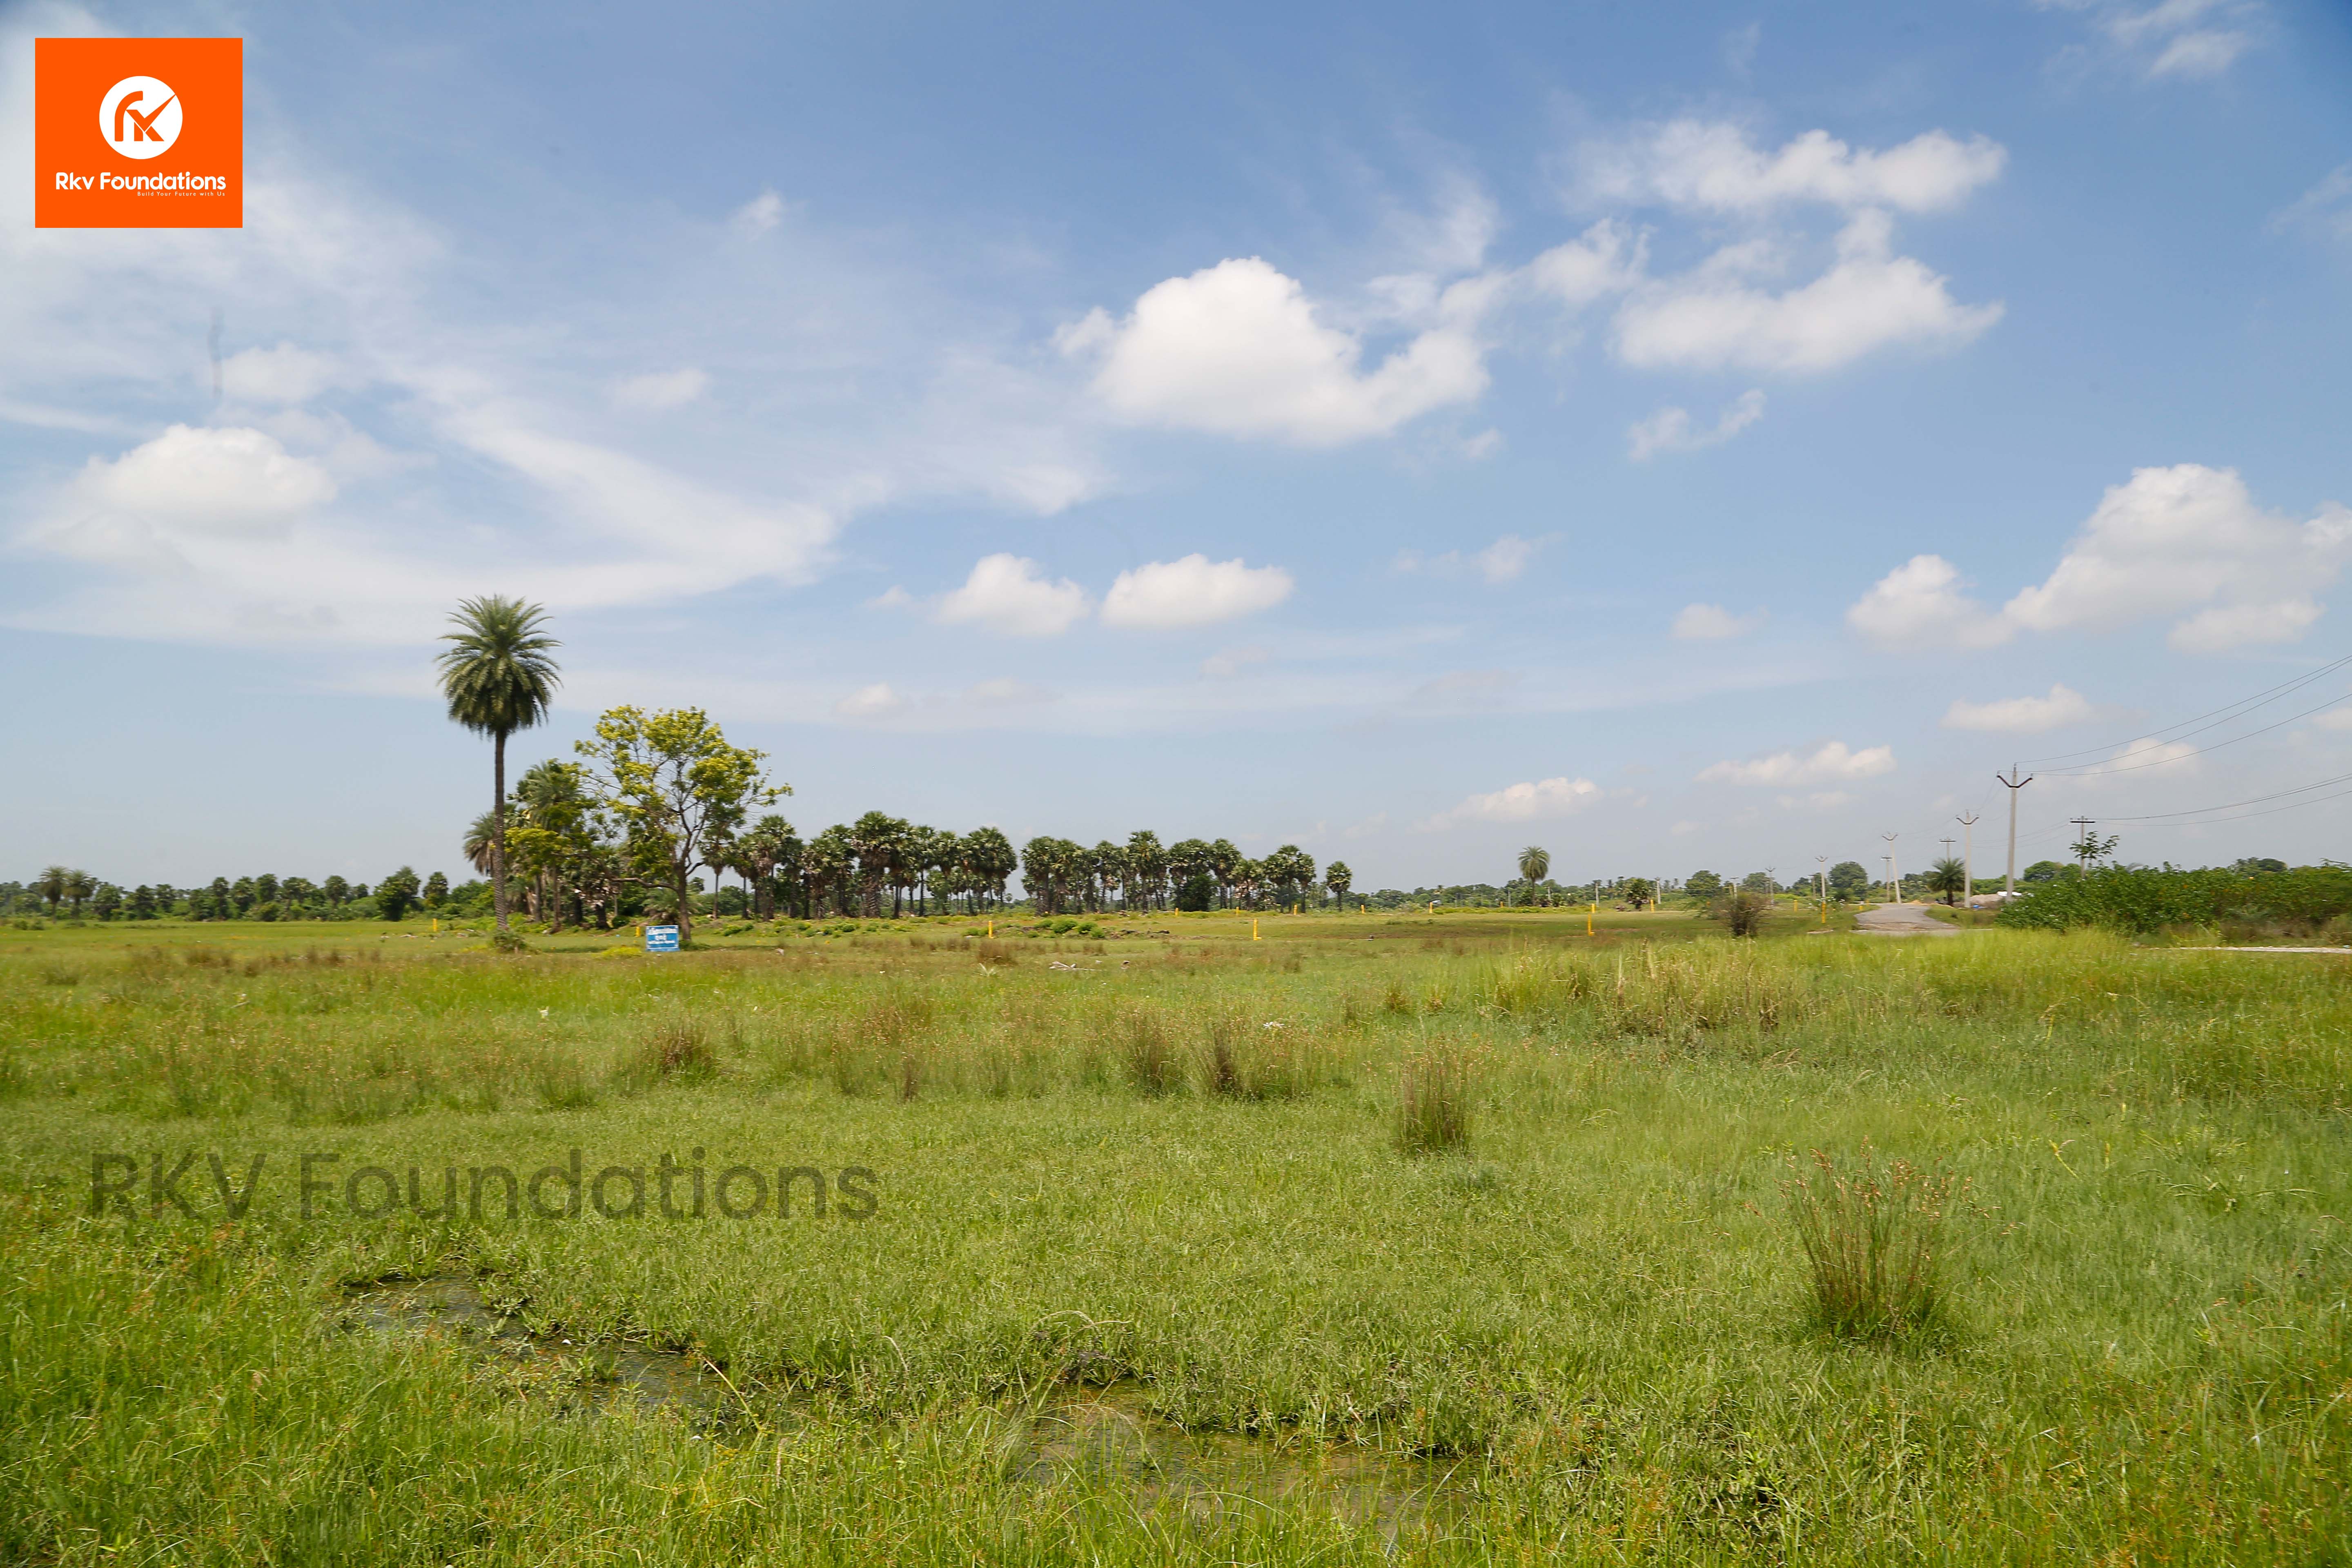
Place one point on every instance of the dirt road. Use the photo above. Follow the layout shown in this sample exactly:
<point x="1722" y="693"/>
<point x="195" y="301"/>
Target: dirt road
<point x="1902" y="919"/>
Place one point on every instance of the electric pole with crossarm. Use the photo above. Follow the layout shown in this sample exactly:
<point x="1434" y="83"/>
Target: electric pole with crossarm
<point x="2015" y="783"/>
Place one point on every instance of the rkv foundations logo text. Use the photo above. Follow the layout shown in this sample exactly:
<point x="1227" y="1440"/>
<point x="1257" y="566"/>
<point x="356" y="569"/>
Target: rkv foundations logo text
<point x="138" y="133"/>
<point x="321" y="1186"/>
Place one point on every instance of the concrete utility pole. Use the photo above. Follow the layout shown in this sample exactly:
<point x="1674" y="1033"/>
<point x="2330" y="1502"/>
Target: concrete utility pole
<point x="2082" y="840"/>
<point x="1967" y="858"/>
<point x="1894" y="871"/>
<point x="2015" y="783"/>
<point x="1822" y="877"/>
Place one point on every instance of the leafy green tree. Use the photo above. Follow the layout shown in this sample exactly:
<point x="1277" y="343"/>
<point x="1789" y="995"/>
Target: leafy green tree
<point x="498" y="678"/>
<point x="436" y="891"/>
<point x="1147" y="870"/>
<point x="2045" y="871"/>
<point x="1639" y="891"/>
<point x="223" y="900"/>
<point x="1705" y="886"/>
<point x="1225" y="863"/>
<point x="1948" y="877"/>
<point x="758" y="853"/>
<point x="1760" y="882"/>
<point x="143" y="902"/>
<point x="265" y="888"/>
<point x="880" y="841"/>
<point x="679" y="790"/>
<point x="396" y="894"/>
<point x="1196" y="893"/>
<point x="826" y="867"/>
<point x="81" y="886"/>
<point x="337" y="891"/>
<point x="1849" y="881"/>
<point x="107" y="902"/>
<point x="1339" y="879"/>
<point x="990" y="862"/>
<point x="1106" y="873"/>
<point x="2252" y="866"/>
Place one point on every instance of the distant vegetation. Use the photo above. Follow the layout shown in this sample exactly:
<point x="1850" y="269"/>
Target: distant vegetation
<point x="2250" y="900"/>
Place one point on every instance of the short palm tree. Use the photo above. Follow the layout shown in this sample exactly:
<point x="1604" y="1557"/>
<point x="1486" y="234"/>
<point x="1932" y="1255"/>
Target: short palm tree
<point x="499" y="679"/>
<point x="1948" y="877"/>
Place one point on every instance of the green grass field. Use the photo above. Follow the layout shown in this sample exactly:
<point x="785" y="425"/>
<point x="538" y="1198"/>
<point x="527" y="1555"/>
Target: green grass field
<point x="1166" y="1164"/>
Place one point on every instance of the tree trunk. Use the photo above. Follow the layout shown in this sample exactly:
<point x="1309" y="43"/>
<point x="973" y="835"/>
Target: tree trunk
<point x="684" y="910"/>
<point x="499" y="827"/>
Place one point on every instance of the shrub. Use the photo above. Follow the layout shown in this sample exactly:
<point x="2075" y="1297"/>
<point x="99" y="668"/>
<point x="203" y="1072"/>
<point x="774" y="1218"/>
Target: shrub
<point x="674" y="1047"/>
<point x="1870" y="1241"/>
<point x="1434" y="1103"/>
<point x="1152" y="1064"/>
<point x="1741" y="911"/>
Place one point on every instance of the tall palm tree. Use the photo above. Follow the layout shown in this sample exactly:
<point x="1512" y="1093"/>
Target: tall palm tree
<point x="1535" y="864"/>
<point x="499" y="679"/>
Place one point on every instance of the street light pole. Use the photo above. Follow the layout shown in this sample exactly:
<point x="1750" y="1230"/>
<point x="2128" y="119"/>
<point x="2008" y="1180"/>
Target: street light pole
<point x="1894" y="870"/>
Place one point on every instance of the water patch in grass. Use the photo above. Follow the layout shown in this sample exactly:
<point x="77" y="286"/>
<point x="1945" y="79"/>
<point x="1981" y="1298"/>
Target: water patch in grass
<point x="651" y="1380"/>
<point x="1091" y="1438"/>
<point x="1109" y="1438"/>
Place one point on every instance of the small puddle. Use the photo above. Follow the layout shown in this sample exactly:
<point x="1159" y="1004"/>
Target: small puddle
<point x="1104" y="1438"/>
<point x="650" y="1380"/>
<point x="1109" y="1436"/>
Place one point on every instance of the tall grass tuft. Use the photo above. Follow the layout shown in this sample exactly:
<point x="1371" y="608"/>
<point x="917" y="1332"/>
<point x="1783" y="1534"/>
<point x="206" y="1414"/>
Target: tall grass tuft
<point x="1153" y="1064"/>
<point x="676" y="1048"/>
<point x="1434" y="1103"/>
<point x="1871" y="1237"/>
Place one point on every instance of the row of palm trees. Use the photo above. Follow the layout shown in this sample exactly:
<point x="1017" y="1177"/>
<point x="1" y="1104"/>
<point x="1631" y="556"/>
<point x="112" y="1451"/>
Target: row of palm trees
<point x="556" y="844"/>
<point x="570" y="865"/>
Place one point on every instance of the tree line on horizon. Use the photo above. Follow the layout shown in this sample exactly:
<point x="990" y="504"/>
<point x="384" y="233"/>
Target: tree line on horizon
<point x="657" y="797"/>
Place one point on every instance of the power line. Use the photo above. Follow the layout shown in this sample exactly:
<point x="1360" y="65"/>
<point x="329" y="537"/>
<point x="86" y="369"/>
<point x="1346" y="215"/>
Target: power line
<point x="2235" y="805"/>
<point x="2220" y="715"/>
<point x="2184" y="756"/>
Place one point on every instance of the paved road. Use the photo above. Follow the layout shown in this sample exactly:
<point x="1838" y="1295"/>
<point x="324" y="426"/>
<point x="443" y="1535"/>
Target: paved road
<point x="1902" y="919"/>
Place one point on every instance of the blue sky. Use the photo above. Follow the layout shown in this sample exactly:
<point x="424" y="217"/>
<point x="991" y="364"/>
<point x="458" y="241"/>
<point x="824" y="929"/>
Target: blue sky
<point x="1706" y="436"/>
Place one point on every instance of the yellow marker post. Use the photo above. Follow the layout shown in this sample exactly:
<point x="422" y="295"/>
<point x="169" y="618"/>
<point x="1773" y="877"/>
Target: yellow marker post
<point x="1593" y="910"/>
<point x="991" y="928"/>
<point x="1254" y="936"/>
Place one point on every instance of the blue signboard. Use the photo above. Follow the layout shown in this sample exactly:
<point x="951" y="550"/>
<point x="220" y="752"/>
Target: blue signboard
<point x="661" y="939"/>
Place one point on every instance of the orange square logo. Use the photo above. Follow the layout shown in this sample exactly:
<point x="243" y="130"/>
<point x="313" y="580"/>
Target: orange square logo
<point x="138" y="133"/>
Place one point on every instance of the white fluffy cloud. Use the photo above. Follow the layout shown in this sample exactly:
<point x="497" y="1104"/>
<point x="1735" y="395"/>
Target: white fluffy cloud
<point x="1010" y="594"/>
<point x="1193" y="592"/>
<point x="875" y="701"/>
<point x="1923" y="602"/>
<point x="190" y="495"/>
<point x="1670" y="428"/>
<point x="1531" y="802"/>
<point x="2020" y="715"/>
<point x="661" y="389"/>
<point x="2188" y="40"/>
<point x="1713" y="622"/>
<point x="1236" y="349"/>
<point x="1607" y="258"/>
<point x="2187" y="541"/>
<point x="1713" y="167"/>
<point x="1716" y="316"/>
<point x="2191" y="538"/>
<point x="1830" y="763"/>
